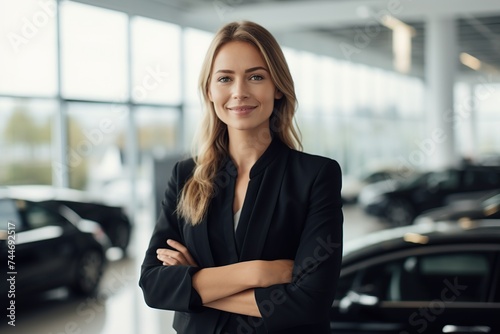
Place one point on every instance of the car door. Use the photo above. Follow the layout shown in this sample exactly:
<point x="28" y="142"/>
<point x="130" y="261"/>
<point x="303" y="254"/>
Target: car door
<point x="44" y="247"/>
<point x="10" y="225"/>
<point x="439" y="289"/>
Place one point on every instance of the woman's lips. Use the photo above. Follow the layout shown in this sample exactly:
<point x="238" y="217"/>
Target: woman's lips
<point x="241" y="110"/>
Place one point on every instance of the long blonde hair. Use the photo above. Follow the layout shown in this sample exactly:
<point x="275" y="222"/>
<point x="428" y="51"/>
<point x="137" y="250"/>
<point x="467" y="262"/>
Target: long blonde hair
<point x="213" y="142"/>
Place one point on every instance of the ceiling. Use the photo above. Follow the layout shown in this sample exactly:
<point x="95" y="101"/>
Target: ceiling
<point x="321" y="26"/>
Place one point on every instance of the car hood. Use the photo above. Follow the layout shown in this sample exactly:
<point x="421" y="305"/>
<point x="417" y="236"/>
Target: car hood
<point x="414" y="235"/>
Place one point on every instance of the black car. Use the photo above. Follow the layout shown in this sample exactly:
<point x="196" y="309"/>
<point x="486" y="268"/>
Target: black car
<point x="464" y="209"/>
<point x="43" y="247"/>
<point x="113" y="219"/>
<point x="433" y="278"/>
<point x="429" y="190"/>
<point x="352" y="185"/>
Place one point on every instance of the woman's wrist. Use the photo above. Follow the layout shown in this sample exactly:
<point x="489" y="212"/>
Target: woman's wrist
<point x="253" y="273"/>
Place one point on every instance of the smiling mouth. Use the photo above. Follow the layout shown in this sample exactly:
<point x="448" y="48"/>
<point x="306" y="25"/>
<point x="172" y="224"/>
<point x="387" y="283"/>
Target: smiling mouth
<point x="242" y="109"/>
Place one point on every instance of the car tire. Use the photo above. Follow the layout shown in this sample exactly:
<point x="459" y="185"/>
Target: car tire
<point x="400" y="213"/>
<point x="88" y="272"/>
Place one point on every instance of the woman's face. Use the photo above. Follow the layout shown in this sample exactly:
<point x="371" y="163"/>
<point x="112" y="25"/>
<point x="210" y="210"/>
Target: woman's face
<point x="241" y="87"/>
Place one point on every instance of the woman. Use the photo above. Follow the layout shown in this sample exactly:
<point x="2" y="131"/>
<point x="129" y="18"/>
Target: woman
<point x="250" y="233"/>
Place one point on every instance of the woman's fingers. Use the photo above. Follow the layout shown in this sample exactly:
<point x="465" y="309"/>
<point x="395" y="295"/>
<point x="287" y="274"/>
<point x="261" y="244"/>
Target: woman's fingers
<point x="183" y="250"/>
<point x="170" y="257"/>
<point x="179" y="256"/>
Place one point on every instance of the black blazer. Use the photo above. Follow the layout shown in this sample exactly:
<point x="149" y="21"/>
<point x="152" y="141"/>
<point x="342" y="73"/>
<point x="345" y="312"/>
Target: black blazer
<point x="292" y="210"/>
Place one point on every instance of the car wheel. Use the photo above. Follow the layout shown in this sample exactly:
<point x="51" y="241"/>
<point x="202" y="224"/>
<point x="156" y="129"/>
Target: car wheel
<point x="89" y="272"/>
<point x="399" y="213"/>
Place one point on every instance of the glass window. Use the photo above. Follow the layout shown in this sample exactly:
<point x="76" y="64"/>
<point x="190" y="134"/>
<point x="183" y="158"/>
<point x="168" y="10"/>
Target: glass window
<point x="28" y="50"/>
<point x="158" y="130"/>
<point x="347" y="93"/>
<point x="26" y="141"/>
<point x="93" y="52"/>
<point x="196" y="44"/>
<point x="293" y="61"/>
<point x="307" y="83"/>
<point x="96" y="135"/>
<point x="487" y="99"/>
<point x="158" y="134"/>
<point x="327" y="85"/>
<point x="156" y="65"/>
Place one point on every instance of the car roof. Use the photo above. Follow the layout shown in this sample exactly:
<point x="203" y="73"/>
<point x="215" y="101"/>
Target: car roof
<point x="39" y="193"/>
<point x="406" y="237"/>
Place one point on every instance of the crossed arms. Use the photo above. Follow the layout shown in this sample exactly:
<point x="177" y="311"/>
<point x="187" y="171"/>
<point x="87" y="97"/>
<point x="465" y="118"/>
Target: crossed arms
<point x="229" y="288"/>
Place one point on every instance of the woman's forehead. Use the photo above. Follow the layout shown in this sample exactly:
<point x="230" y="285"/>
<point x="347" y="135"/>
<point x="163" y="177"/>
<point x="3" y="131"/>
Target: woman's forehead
<point x="238" y="55"/>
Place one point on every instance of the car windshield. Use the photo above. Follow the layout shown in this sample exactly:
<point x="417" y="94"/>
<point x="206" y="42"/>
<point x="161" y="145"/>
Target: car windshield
<point x="414" y="180"/>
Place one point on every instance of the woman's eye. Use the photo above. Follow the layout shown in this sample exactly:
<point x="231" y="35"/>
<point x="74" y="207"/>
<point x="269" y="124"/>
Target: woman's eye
<point x="256" y="77"/>
<point x="223" y="79"/>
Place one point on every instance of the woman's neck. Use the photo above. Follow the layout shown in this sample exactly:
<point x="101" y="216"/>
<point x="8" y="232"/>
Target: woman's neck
<point x="246" y="148"/>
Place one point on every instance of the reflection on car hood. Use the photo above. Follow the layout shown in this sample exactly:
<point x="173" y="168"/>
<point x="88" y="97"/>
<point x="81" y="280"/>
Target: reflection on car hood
<point x="39" y="234"/>
<point x="415" y="234"/>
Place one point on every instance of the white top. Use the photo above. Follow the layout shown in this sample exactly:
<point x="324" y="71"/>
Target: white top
<point x="237" y="218"/>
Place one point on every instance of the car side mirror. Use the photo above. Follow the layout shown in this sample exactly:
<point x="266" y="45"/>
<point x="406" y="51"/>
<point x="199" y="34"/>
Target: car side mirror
<point x="354" y="301"/>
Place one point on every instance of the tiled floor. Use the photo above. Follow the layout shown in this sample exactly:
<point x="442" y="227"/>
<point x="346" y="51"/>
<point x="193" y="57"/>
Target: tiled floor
<point x="120" y="308"/>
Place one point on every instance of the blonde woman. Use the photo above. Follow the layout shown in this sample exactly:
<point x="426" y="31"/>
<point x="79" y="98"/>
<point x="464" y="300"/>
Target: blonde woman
<point x="249" y="239"/>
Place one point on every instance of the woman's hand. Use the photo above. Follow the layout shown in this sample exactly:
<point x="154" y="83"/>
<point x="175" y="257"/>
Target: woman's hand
<point x="178" y="257"/>
<point x="275" y="272"/>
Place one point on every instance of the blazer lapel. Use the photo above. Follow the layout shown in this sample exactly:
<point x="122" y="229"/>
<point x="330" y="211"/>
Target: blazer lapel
<point x="263" y="208"/>
<point x="199" y="236"/>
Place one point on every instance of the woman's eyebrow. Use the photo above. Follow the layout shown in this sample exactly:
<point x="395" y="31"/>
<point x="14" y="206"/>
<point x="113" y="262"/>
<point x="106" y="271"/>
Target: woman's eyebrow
<point x="251" y="69"/>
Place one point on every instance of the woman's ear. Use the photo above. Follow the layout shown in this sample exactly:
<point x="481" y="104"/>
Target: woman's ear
<point x="209" y="94"/>
<point x="278" y="94"/>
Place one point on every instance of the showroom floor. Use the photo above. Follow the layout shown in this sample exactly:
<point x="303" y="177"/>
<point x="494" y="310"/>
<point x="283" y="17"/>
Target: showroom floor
<point x="120" y="307"/>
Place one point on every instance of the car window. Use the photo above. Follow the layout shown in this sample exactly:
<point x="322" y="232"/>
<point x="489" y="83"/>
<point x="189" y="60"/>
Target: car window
<point x="466" y="274"/>
<point x="455" y="277"/>
<point x="443" y="180"/>
<point x="37" y="216"/>
<point x="8" y="213"/>
<point x="478" y="179"/>
<point x="373" y="280"/>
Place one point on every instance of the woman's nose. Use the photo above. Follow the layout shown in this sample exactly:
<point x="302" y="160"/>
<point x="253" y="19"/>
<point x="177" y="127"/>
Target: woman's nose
<point x="240" y="90"/>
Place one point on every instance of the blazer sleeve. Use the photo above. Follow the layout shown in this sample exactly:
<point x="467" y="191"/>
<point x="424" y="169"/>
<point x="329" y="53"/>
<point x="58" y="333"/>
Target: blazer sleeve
<point x="168" y="287"/>
<point x="308" y="298"/>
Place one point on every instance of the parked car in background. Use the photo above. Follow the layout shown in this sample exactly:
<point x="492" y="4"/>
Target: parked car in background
<point x="464" y="210"/>
<point x="432" y="278"/>
<point x="353" y="185"/>
<point x="492" y="159"/>
<point x="113" y="219"/>
<point x="429" y="190"/>
<point x="53" y="247"/>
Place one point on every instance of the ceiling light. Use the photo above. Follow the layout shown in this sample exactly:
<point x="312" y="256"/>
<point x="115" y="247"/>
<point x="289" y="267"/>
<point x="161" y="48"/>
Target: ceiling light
<point x="470" y="61"/>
